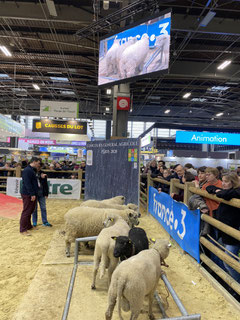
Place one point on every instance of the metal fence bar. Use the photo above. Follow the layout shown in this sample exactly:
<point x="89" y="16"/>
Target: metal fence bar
<point x="175" y="296"/>
<point x="156" y="296"/>
<point x="190" y="317"/>
<point x="69" y="294"/>
<point x="74" y="272"/>
<point x="85" y="239"/>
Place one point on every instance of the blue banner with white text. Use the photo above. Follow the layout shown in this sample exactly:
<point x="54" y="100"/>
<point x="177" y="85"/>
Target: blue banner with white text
<point x="182" y="224"/>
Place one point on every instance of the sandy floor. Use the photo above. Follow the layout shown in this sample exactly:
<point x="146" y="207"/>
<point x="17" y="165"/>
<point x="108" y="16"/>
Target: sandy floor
<point x="22" y="260"/>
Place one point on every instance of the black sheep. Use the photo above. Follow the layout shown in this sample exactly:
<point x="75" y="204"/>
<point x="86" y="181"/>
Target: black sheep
<point x="126" y="247"/>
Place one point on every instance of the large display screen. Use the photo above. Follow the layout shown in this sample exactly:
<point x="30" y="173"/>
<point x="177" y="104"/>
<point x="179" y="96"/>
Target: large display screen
<point x="135" y="52"/>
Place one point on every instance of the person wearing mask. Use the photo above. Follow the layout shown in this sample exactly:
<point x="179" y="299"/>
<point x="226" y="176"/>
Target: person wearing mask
<point x="29" y="193"/>
<point x="228" y="215"/>
<point x="43" y="191"/>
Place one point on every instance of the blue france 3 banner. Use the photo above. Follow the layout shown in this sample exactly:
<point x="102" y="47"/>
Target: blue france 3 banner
<point x="182" y="224"/>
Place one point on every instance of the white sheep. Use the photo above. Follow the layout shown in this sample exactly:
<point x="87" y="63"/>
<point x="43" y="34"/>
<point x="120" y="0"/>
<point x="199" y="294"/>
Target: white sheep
<point x="100" y="204"/>
<point x="136" y="278"/>
<point x="86" y="222"/>
<point x="111" y="57"/>
<point x="163" y="42"/>
<point x="115" y="200"/>
<point x="132" y="59"/>
<point x="103" y="253"/>
<point x="122" y="48"/>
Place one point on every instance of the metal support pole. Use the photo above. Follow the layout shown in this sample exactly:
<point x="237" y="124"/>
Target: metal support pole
<point x="69" y="294"/>
<point x="156" y="296"/>
<point x="74" y="272"/>
<point x="175" y="296"/>
<point x="189" y="317"/>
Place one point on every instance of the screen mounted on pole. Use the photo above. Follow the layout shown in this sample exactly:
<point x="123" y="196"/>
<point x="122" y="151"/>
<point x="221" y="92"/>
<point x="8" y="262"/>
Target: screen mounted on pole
<point x="135" y="52"/>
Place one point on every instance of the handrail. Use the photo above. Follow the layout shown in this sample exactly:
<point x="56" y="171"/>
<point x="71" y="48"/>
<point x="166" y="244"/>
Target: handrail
<point x="189" y="190"/>
<point x="221" y="226"/>
<point x="205" y="194"/>
<point x="161" y="180"/>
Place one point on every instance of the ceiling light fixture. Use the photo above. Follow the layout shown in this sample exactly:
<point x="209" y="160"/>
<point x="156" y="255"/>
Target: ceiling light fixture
<point x="5" y="51"/>
<point x="205" y="21"/>
<point x="109" y="91"/>
<point x="51" y="8"/>
<point x="224" y="64"/>
<point x="219" y="88"/>
<point x="107" y="109"/>
<point x="186" y="95"/>
<point x="167" y="111"/>
<point x="35" y="86"/>
<point x="219" y="114"/>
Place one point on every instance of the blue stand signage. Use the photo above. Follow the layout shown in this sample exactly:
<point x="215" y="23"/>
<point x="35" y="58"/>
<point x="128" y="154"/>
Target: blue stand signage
<point x="182" y="224"/>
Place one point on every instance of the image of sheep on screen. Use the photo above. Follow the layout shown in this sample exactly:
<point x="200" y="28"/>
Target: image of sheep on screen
<point x="137" y="51"/>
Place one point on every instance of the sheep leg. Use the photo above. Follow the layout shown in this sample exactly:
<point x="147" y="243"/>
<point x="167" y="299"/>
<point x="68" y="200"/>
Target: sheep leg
<point x="95" y="270"/>
<point x="67" y="248"/>
<point x="112" y="298"/>
<point x="112" y="266"/>
<point x="150" y="301"/>
<point x="136" y="303"/>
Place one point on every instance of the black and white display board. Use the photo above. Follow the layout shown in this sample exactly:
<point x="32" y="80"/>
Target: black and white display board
<point x="112" y="169"/>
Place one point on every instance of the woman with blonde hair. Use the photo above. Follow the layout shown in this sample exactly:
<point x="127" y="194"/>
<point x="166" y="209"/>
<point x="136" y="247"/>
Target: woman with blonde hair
<point x="228" y="215"/>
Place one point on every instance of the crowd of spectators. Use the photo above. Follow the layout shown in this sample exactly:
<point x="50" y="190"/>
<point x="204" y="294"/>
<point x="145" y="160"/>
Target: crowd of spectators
<point x="54" y="168"/>
<point x="224" y="184"/>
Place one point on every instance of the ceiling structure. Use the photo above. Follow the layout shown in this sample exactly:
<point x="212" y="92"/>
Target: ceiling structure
<point x="59" y="53"/>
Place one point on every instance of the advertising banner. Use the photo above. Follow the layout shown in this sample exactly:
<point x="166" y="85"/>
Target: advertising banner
<point x="14" y="128"/>
<point x="232" y="139"/>
<point x="58" y="126"/>
<point x="61" y="109"/>
<point x="58" y="188"/>
<point x="182" y="224"/>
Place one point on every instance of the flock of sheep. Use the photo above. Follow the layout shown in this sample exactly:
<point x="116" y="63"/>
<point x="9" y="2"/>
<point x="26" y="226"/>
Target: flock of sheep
<point x="128" y="59"/>
<point x="113" y="223"/>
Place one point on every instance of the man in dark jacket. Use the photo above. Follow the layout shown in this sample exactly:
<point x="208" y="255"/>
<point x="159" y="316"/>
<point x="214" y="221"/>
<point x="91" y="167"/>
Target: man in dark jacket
<point x="43" y="192"/>
<point x="29" y="195"/>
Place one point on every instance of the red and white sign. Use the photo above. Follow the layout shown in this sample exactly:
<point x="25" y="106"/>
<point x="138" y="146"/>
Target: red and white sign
<point x="38" y="141"/>
<point x="123" y="103"/>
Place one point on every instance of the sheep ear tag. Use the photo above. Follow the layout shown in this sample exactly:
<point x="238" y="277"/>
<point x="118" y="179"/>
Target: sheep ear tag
<point x="114" y="238"/>
<point x="153" y="240"/>
<point x="111" y="219"/>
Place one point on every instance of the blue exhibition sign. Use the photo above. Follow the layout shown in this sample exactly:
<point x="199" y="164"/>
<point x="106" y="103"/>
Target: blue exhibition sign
<point x="182" y="224"/>
<point x="232" y="139"/>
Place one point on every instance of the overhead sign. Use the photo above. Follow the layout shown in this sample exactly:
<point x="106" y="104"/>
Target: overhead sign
<point x="37" y="141"/>
<point x="58" y="188"/>
<point x="58" y="126"/>
<point x="232" y="139"/>
<point x="145" y="141"/>
<point x="123" y="103"/>
<point x="62" y="109"/>
<point x="11" y="128"/>
<point x="182" y="224"/>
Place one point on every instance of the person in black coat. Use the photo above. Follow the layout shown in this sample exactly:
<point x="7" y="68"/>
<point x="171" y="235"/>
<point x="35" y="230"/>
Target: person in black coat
<point x="29" y="192"/>
<point x="228" y="215"/>
<point x="43" y="192"/>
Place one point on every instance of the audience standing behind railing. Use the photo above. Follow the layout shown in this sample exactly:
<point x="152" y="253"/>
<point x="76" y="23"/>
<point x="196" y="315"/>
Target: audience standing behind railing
<point x="229" y="187"/>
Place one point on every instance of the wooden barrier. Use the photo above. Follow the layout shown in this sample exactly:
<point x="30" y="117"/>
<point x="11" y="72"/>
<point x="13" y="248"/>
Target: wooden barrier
<point x="189" y="190"/>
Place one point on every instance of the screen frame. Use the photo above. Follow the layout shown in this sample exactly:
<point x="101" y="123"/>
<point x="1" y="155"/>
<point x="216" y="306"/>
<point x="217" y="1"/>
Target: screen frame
<point x="142" y="76"/>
